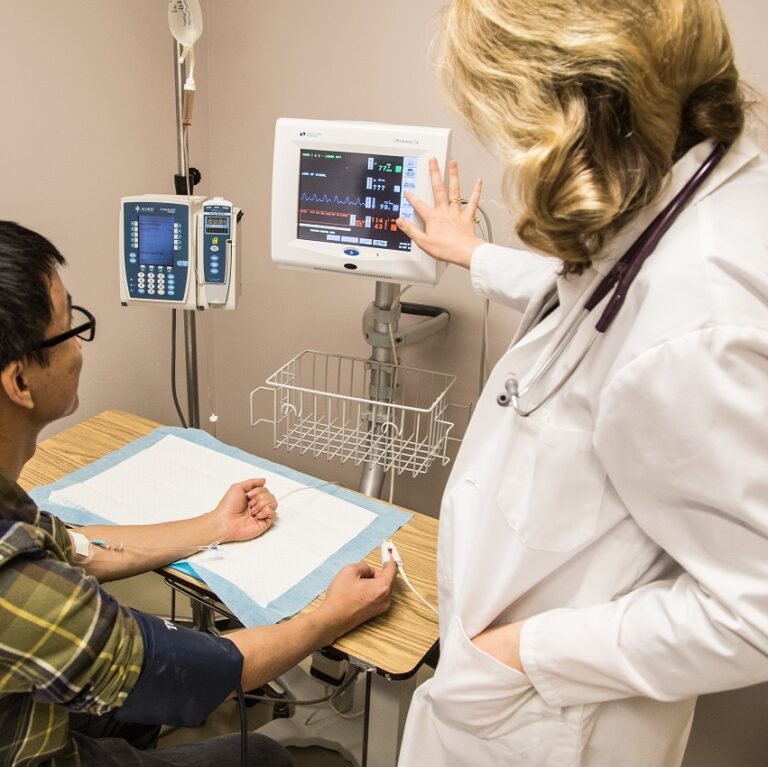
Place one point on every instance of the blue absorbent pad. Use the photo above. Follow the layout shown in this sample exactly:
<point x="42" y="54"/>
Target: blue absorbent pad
<point x="388" y="520"/>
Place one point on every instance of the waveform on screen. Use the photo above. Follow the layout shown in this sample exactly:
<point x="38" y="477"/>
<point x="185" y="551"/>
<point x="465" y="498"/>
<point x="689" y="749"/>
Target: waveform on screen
<point x="336" y="200"/>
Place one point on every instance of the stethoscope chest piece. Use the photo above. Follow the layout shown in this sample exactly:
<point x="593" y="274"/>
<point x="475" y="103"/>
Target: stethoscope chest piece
<point x="510" y="393"/>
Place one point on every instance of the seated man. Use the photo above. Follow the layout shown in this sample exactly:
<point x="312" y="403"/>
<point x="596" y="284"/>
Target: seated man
<point x="80" y="675"/>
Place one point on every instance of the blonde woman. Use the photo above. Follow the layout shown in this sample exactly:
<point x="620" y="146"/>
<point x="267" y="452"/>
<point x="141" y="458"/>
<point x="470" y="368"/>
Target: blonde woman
<point x="604" y="532"/>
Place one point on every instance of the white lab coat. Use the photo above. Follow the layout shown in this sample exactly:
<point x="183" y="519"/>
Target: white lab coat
<point x="627" y="520"/>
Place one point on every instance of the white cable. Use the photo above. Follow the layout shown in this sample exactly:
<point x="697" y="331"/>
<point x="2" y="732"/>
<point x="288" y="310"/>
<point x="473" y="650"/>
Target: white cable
<point x="394" y="385"/>
<point x="401" y="570"/>
<point x="488" y="236"/>
<point x="208" y="331"/>
<point x="484" y="346"/>
<point x="338" y="713"/>
<point x="389" y="553"/>
<point x="392" y="343"/>
<point x="306" y="487"/>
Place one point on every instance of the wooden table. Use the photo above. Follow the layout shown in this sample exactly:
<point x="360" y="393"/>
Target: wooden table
<point x="394" y="644"/>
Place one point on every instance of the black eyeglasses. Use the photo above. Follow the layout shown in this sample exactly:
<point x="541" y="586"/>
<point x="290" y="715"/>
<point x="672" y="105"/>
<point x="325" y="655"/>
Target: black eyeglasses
<point x="83" y="326"/>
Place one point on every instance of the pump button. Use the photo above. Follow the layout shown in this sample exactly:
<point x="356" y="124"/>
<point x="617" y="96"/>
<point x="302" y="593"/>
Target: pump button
<point x="350" y="266"/>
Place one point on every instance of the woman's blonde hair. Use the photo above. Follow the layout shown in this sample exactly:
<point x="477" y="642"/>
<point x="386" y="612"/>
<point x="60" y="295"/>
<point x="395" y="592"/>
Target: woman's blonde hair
<point x="588" y="103"/>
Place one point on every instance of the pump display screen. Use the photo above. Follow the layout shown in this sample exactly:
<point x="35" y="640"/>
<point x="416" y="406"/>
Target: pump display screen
<point x="156" y="240"/>
<point x="354" y="198"/>
<point x="216" y="224"/>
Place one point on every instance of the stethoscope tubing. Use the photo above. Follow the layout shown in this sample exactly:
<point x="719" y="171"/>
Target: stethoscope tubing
<point x="628" y="267"/>
<point x="618" y="279"/>
<point x="512" y="394"/>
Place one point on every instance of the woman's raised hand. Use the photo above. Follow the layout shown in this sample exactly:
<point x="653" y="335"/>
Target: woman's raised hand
<point x="449" y="227"/>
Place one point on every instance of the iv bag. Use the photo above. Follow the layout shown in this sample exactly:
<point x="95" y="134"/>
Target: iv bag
<point x="185" y="20"/>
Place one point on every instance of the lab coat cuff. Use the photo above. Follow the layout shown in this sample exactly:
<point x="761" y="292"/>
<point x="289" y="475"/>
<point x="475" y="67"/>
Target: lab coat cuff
<point x="480" y="268"/>
<point x="531" y="638"/>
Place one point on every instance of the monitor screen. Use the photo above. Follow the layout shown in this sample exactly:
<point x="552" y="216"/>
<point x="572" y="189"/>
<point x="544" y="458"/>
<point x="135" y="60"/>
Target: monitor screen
<point x="354" y="198"/>
<point x="156" y="240"/>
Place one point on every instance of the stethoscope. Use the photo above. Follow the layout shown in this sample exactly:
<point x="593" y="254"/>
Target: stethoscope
<point x="619" y="278"/>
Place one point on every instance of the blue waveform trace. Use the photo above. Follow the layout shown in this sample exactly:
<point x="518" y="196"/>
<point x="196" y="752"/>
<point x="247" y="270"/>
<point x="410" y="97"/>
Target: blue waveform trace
<point x="336" y="200"/>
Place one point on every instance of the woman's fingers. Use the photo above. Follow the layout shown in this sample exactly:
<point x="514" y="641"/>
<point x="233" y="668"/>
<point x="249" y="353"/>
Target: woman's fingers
<point x="474" y="198"/>
<point x="438" y="190"/>
<point x="454" y="186"/>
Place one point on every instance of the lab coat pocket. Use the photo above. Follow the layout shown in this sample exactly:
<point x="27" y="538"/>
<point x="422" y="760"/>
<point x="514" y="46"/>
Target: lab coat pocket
<point x="473" y="692"/>
<point x="553" y="486"/>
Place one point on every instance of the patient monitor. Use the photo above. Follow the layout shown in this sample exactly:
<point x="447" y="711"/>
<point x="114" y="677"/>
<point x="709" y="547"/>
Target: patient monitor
<point x="179" y="251"/>
<point x="337" y="189"/>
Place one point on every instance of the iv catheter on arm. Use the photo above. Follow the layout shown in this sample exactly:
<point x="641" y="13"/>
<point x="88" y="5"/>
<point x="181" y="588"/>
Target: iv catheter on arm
<point x="246" y="511"/>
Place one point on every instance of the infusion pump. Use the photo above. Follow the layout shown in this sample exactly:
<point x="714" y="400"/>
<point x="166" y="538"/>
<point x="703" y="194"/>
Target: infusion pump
<point x="179" y="251"/>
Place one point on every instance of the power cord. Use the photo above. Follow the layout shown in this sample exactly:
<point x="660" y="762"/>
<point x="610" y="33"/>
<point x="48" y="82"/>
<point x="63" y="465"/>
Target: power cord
<point x="349" y="679"/>
<point x="488" y="236"/>
<point x="401" y="571"/>
<point x="173" y="370"/>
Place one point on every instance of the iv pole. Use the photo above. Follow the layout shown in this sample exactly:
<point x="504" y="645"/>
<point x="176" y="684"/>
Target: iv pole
<point x="203" y="618"/>
<point x="190" y="321"/>
<point x="382" y="332"/>
<point x="387" y="293"/>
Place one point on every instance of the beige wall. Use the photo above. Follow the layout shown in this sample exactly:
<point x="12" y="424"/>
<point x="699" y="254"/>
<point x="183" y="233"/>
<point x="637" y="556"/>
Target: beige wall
<point x="86" y="93"/>
<point x="88" y="115"/>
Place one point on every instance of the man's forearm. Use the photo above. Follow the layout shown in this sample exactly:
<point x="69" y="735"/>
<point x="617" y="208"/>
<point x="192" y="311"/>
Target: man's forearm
<point x="269" y="651"/>
<point x="357" y="594"/>
<point x="119" y="551"/>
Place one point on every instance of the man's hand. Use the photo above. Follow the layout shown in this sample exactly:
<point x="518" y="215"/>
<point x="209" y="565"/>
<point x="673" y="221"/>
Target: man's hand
<point x="358" y="593"/>
<point x="246" y="511"/>
<point x="449" y="229"/>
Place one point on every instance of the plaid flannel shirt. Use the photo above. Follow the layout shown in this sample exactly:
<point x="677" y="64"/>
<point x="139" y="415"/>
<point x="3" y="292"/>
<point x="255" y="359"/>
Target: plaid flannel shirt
<point x="64" y="644"/>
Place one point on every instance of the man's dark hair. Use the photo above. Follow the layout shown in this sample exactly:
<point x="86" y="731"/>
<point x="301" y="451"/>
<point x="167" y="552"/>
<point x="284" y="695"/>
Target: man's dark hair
<point x="27" y="264"/>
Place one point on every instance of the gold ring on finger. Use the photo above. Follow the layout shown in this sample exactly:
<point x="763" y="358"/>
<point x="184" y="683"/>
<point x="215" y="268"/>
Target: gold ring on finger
<point x="455" y="201"/>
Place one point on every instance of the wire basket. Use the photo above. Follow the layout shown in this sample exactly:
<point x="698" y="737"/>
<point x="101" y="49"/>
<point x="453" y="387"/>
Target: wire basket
<point x="359" y="410"/>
